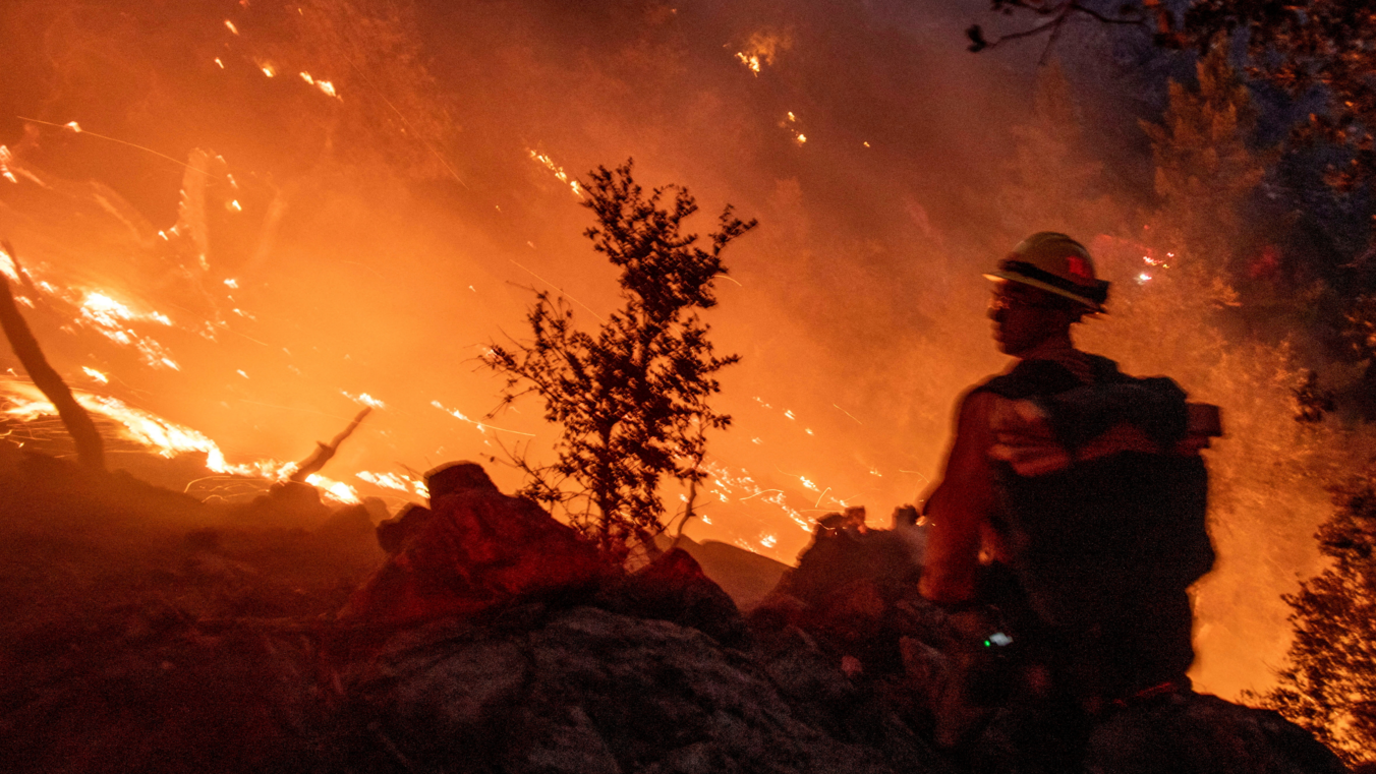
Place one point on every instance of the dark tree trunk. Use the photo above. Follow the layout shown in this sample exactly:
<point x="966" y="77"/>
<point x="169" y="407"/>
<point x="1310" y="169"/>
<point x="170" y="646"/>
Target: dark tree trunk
<point x="90" y="450"/>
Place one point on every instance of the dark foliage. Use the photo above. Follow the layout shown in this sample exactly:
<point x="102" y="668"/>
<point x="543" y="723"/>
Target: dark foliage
<point x="630" y="400"/>
<point x="1312" y="402"/>
<point x="1329" y="684"/>
<point x="1296" y="46"/>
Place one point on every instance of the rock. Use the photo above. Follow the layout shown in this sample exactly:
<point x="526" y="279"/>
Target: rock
<point x="446" y="479"/>
<point x="589" y="690"/>
<point x="674" y="588"/>
<point x="1193" y="732"/>
<point x="391" y="533"/>
<point x="478" y="550"/>
<point x="839" y="555"/>
<point x="287" y="503"/>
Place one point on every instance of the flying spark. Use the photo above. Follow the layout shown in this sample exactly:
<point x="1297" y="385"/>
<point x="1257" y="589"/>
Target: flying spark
<point x="325" y="87"/>
<point x="482" y="427"/>
<point x="558" y="171"/>
<point x="364" y="399"/>
<point x="6" y="158"/>
<point x="752" y="62"/>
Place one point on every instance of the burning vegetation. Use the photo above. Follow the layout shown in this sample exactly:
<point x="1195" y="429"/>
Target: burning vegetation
<point x="236" y="228"/>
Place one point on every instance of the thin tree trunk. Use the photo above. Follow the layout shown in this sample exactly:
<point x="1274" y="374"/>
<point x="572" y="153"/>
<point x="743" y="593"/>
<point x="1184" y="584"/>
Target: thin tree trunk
<point x="90" y="450"/>
<point x="325" y="452"/>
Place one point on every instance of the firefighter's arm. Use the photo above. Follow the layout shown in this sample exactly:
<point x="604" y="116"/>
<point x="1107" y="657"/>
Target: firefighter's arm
<point x="960" y="506"/>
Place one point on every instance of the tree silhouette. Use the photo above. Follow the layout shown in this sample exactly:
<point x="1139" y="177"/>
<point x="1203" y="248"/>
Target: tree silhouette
<point x="1329" y="683"/>
<point x="1318" y="47"/>
<point x="631" y="400"/>
<point x="1205" y="168"/>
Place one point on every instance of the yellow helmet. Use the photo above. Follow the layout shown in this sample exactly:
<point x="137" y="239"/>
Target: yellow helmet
<point x="1057" y="264"/>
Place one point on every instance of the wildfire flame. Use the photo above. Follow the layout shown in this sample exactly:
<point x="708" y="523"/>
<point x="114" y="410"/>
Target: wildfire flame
<point x="111" y="318"/>
<point x="761" y="49"/>
<point x="395" y="481"/>
<point x="558" y="172"/>
<point x="166" y="438"/>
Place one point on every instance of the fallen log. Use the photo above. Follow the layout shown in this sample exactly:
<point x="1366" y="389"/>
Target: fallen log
<point x="325" y="452"/>
<point x="90" y="449"/>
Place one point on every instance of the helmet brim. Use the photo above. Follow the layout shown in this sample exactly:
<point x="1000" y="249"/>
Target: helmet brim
<point x="1090" y="305"/>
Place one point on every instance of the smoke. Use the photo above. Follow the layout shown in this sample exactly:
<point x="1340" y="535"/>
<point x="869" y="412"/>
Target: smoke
<point x="376" y="235"/>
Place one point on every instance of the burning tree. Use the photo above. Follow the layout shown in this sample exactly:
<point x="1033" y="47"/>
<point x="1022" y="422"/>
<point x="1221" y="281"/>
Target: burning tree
<point x="1329" y="685"/>
<point x="631" y="400"/>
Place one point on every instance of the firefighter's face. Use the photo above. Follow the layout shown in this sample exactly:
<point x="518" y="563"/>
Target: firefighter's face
<point x="1025" y="317"/>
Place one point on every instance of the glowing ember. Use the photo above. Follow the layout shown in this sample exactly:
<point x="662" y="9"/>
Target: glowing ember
<point x="5" y="159"/>
<point x="96" y="375"/>
<point x="723" y="485"/>
<point x="325" y="86"/>
<point x="74" y="126"/>
<point x="558" y="171"/>
<point x="752" y="62"/>
<point x="761" y="49"/>
<point x="230" y="26"/>
<point x="364" y="399"/>
<point x="482" y="427"/>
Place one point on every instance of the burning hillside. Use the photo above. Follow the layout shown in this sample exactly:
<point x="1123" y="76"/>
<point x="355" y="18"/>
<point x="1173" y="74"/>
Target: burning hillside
<point x="235" y="225"/>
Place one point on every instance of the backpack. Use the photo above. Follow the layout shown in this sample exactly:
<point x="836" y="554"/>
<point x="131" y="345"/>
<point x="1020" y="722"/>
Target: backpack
<point x="1104" y="514"/>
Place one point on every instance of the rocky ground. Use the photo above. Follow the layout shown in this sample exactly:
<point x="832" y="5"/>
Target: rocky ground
<point x="149" y="632"/>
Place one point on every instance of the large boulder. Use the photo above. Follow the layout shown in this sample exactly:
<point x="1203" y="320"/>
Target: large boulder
<point x="674" y="587"/>
<point x="478" y="549"/>
<point x="584" y="690"/>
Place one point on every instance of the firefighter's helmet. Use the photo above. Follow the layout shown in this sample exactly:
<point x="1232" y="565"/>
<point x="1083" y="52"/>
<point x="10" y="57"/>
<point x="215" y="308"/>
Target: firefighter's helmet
<point x="1057" y="264"/>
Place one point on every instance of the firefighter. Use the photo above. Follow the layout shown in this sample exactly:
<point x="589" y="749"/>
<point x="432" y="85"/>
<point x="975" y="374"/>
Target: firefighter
<point x="1042" y="288"/>
<point x="1071" y="510"/>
